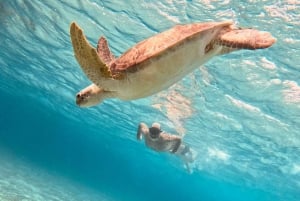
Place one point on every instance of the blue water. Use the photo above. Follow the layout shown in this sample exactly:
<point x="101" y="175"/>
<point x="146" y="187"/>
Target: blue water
<point x="240" y="112"/>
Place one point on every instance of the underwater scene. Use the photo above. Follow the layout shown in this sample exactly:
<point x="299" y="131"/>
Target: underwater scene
<point x="225" y="127"/>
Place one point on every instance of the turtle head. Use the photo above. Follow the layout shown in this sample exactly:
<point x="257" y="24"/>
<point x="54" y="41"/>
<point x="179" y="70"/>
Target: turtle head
<point x="90" y="96"/>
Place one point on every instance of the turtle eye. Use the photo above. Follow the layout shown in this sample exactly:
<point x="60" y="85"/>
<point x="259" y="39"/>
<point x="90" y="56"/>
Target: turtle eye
<point x="80" y="96"/>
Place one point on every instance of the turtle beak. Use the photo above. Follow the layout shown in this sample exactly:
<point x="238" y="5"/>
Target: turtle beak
<point x="79" y="99"/>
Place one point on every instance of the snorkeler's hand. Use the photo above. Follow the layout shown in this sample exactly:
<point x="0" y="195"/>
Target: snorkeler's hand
<point x="142" y="129"/>
<point x="139" y="133"/>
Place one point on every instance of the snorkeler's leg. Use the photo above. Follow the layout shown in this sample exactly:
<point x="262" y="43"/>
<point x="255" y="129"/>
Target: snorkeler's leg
<point x="188" y="167"/>
<point x="185" y="150"/>
<point x="181" y="149"/>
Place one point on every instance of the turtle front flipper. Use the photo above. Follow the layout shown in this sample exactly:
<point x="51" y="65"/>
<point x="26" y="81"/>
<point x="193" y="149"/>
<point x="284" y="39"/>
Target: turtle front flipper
<point x="87" y="56"/>
<point x="246" y="39"/>
<point x="104" y="52"/>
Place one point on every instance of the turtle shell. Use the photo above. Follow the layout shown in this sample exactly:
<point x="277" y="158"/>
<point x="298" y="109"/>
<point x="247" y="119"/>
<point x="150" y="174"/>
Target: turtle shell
<point x="157" y="45"/>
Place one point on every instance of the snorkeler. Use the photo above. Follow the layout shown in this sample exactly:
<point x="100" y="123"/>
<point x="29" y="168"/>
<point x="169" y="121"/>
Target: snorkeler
<point x="161" y="141"/>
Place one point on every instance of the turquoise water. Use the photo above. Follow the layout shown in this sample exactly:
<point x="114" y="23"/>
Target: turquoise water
<point x="240" y="112"/>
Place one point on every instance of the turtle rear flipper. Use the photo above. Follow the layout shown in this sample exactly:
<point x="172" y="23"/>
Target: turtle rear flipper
<point x="246" y="39"/>
<point x="91" y="64"/>
<point x="104" y="52"/>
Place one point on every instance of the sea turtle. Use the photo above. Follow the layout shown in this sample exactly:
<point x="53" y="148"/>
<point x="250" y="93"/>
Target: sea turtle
<point x="158" y="62"/>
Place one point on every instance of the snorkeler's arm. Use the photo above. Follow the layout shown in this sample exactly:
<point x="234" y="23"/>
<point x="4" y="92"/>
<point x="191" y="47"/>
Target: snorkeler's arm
<point x="142" y="129"/>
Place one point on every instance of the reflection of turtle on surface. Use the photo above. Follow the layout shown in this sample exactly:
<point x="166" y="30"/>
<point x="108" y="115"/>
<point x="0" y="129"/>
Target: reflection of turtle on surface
<point x="158" y="62"/>
<point x="161" y="141"/>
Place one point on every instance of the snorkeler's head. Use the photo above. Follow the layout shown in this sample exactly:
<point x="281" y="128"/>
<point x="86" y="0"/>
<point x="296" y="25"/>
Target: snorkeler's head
<point x="155" y="130"/>
<point x="156" y="125"/>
